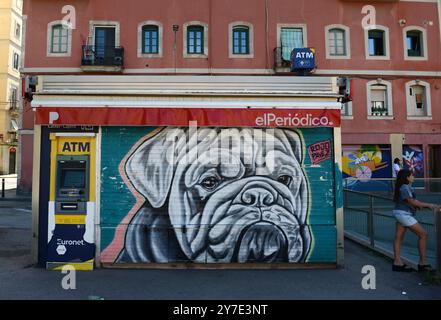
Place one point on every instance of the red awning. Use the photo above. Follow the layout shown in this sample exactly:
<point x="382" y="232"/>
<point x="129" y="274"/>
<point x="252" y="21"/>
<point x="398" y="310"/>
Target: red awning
<point x="231" y="117"/>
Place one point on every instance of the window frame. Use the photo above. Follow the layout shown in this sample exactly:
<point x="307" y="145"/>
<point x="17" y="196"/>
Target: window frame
<point x="195" y="30"/>
<point x="386" y="42"/>
<point x="50" y="27"/>
<point x="239" y="24"/>
<point x="409" y="103"/>
<point x="18" y="28"/>
<point x="15" y="61"/>
<point x="13" y="105"/>
<point x="103" y="24"/>
<point x="141" y="53"/>
<point x="347" y="39"/>
<point x="281" y="26"/>
<point x="388" y="97"/>
<point x="204" y="27"/>
<point x="424" y="46"/>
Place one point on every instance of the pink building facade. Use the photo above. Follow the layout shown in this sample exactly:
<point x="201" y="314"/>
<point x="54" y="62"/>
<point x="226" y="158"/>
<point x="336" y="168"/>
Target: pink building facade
<point x="394" y="65"/>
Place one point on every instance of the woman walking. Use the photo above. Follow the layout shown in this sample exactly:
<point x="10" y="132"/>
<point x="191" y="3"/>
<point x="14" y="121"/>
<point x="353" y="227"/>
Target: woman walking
<point x="406" y="206"/>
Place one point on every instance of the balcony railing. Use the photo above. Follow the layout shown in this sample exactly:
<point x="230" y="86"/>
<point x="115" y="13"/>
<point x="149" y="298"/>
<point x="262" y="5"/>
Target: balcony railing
<point x="279" y="61"/>
<point x="379" y="108"/>
<point x="102" y="56"/>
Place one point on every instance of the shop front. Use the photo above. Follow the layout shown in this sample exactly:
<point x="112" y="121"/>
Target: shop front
<point x="195" y="180"/>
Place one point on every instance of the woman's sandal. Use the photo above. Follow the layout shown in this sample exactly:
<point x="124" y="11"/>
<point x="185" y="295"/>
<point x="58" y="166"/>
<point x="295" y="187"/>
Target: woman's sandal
<point x="425" y="268"/>
<point x="403" y="268"/>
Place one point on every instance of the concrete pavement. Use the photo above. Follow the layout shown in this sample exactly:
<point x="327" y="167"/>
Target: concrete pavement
<point x="19" y="280"/>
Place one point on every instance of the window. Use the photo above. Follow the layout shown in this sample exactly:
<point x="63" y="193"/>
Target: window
<point x="15" y="61"/>
<point x="60" y="39"/>
<point x="240" y="35"/>
<point x="418" y="100"/>
<point x="377" y="43"/>
<point x="241" y="40"/>
<point x="290" y="39"/>
<point x="150" y="39"/>
<point x="17" y="32"/>
<point x="379" y="99"/>
<point x="195" y="40"/>
<point x="13" y="98"/>
<point x="415" y="43"/>
<point x="337" y="44"/>
<point x="346" y="109"/>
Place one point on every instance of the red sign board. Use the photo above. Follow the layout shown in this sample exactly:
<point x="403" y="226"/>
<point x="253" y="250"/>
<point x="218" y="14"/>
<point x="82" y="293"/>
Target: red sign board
<point x="119" y="116"/>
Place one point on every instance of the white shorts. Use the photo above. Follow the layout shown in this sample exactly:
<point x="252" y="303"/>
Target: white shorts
<point x="405" y="218"/>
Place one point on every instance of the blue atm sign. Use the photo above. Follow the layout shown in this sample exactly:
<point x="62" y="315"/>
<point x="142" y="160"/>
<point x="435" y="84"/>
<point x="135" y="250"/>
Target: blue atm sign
<point x="303" y="59"/>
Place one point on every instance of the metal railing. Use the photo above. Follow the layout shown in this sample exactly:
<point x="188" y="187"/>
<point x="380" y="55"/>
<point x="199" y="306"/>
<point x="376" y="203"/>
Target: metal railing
<point x="368" y="220"/>
<point x="427" y="188"/>
<point x="102" y="56"/>
<point x="279" y="61"/>
<point x="378" y="108"/>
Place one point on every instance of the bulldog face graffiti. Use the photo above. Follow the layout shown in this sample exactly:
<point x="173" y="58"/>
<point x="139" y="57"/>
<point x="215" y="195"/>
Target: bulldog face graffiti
<point x="219" y="195"/>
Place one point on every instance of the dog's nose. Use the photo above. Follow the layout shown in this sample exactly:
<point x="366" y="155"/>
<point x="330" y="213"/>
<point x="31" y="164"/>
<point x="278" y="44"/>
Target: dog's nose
<point x="258" y="197"/>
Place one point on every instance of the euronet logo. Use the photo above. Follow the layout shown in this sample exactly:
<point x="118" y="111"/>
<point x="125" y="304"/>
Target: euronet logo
<point x="307" y="120"/>
<point x="61" y="242"/>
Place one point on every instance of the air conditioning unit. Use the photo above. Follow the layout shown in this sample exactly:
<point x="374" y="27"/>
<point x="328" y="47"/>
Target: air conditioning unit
<point x="29" y="86"/>
<point x="31" y="83"/>
<point x="344" y="84"/>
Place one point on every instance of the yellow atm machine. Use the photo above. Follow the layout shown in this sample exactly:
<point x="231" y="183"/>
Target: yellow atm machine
<point x="71" y="201"/>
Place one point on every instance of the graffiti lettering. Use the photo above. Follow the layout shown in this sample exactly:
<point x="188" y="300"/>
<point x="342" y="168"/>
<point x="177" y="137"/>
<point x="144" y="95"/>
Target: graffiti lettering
<point x="245" y="146"/>
<point x="320" y="151"/>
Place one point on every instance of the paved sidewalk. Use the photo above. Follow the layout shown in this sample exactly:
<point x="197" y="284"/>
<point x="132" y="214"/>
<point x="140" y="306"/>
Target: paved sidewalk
<point x="19" y="280"/>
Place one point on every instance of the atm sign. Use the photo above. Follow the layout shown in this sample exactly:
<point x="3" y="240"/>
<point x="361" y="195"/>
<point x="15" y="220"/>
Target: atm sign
<point x="76" y="147"/>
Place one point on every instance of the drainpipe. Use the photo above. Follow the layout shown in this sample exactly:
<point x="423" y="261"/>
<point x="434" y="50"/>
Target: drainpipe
<point x="439" y="18"/>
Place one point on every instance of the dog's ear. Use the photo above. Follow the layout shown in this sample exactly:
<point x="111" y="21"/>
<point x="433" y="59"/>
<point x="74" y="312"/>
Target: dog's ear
<point x="295" y="144"/>
<point x="151" y="166"/>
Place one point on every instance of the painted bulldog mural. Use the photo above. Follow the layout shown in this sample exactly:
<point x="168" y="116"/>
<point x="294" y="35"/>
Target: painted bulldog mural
<point x="219" y="195"/>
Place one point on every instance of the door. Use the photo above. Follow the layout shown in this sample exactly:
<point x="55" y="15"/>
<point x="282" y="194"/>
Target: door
<point x="12" y="160"/>
<point x="104" y="45"/>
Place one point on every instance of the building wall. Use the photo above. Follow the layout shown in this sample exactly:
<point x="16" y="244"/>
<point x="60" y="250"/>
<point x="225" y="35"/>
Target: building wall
<point x="10" y="14"/>
<point x="218" y="15"/>
<point x="265" y="17"/>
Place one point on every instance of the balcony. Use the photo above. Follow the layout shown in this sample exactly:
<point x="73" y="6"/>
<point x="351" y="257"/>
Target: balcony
<point x="378" y="109"/>
<point x="281" y="65"/>
<point x="102" y="59"/>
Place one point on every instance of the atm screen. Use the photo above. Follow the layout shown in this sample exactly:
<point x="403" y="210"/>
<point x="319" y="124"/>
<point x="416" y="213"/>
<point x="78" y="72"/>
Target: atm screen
<point x="73" y="178"/>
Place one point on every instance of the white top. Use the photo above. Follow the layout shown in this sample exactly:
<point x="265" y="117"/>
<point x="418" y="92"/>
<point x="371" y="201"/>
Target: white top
<point x="395" y="169"/>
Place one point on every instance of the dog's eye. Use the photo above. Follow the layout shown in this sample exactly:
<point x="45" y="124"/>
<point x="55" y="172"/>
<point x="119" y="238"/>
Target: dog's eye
<point x="286" y="180"/>
<point x="210" y="183"/>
